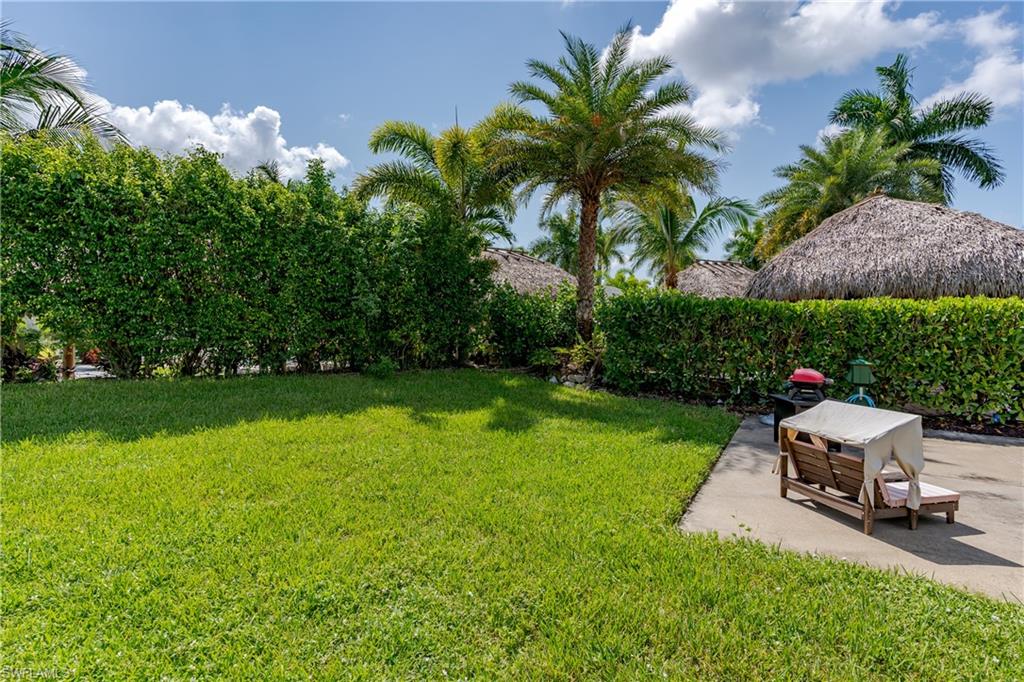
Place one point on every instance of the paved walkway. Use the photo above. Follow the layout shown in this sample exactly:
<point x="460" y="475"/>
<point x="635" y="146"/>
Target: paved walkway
<point x="983" y="551"/>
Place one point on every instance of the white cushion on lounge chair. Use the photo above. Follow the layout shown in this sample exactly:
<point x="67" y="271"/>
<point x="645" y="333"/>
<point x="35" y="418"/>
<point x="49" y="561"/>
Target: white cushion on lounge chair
<point x="930" y="494"/>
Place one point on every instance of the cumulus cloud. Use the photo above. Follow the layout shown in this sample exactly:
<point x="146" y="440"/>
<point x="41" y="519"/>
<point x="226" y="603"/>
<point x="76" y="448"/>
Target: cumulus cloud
<point x="728" y="50"/>
<point x="829" y="131"/>
<point x="998" y="73"/>
<point x="245" y="139"/>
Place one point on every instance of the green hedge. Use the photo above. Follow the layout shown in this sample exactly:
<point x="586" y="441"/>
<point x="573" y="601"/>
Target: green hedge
<point x="176" y="263"/>
<point x="520" y="325"/>
<point x="958" y="356"/>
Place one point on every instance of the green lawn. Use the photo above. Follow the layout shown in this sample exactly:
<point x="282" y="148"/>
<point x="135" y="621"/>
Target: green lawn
<point x="436" y="524"/>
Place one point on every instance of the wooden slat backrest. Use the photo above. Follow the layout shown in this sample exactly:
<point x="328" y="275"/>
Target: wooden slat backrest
<point x="812" y="463"/>
<point x="848" y="471"/>
<point x="838" y="470"/>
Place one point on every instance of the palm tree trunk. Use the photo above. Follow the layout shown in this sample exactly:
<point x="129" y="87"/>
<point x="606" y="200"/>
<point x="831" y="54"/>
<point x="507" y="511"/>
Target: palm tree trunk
<point x="671" y="274"/>
<point x="589" y="205"/>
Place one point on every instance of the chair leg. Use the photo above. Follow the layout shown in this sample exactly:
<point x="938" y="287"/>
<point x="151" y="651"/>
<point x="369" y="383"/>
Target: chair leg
<point x="868" y="519"/>
<point x="913" y="519"/>
<point x="783" y="474"/>
<point x="949" y="517"/>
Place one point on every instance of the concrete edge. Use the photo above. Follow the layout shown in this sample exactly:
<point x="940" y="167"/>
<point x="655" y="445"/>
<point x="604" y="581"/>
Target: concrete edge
<point x="982" y="438"/>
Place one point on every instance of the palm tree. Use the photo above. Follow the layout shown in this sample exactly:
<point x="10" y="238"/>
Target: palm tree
<point x="269" y="171"/>
<point x="608" y="249"/>
<point x="46" y="94"/>
<point x="668" y="238"/>
<point x="742" y="245"/>
<point x="605" y="129"/>
<point x="560" y="245"/>
<point x="931" y="133"/>
<point x="850" y="167"/>
<point x="447" y="172"/>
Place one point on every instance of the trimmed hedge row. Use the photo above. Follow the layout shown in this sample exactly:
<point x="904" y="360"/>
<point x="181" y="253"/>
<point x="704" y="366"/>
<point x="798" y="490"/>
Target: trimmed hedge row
<point x="957" y="356"/>
<point x="173" y="264"/>
<point x="521" y="325"/>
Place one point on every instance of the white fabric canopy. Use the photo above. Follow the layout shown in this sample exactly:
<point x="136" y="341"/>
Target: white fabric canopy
<point x="881" y="433"/>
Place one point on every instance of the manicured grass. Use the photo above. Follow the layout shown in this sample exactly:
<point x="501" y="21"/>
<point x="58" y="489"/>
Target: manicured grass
<point x="437" y="524"/>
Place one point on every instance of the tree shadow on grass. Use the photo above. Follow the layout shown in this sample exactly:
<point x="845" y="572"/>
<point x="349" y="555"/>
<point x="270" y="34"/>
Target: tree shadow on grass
<point x="126" y="411"/>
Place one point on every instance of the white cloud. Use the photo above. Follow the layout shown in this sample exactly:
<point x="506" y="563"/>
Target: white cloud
<point x="831" y="130"/>
<point x="987" y="31"/>
<point x="344" y="118"/>
<point x="245" y="139"/>
<point x="998" y="74"/>
<point x="728" y="50"/>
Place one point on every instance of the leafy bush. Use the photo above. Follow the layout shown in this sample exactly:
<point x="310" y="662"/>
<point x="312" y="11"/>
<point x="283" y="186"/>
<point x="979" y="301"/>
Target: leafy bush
<point x="959" y="356"/>
<point x="382" y="369"/>
<point x="519" y="325"/>
<point x="544" y="360"/>
<point x="174" y="263"/>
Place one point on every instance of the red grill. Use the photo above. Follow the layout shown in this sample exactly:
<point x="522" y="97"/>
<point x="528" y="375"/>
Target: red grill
<point x="806" y="384"/>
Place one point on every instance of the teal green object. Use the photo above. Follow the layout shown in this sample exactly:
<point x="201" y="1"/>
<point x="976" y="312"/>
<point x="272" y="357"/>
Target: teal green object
<point x="860" y="375"/>
<point x="860" y="372"/>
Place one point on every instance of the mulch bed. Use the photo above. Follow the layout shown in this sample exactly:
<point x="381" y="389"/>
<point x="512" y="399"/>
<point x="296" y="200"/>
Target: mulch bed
<point x="1012" y="429"/>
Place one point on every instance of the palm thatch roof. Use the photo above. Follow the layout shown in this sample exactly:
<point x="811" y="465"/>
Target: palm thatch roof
<point x="904" y="249"/>
<point x="715" y="279"/>
<point x="526" y="274"/>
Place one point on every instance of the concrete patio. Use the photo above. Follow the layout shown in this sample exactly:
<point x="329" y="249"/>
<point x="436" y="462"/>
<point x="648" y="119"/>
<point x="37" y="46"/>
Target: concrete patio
<point x="983" y="551"/>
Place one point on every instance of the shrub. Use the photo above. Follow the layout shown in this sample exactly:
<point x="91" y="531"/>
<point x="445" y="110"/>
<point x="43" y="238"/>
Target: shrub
<point x="173" y="263"/>
<point x="959" y="356"/>
<point x="520" y="325"/>
<point x="381" y="369"/>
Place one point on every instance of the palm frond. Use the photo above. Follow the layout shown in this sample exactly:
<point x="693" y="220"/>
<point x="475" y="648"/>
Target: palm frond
<point x="968" y="110"/>
<point x="68" y="122"/>
<point x="407" y="139"/>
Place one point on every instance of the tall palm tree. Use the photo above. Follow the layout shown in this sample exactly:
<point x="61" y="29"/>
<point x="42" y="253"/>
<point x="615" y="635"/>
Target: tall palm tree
<point x="46" y="94"/>
<point x="931" y="133"/>
<point x="560" y="244"/>
<point x="742" y="245"/>
<point x="608" y="249"/>
<point x="605" y="128"/>
<point x="447" y="172"/>
<point x="668" y="238"/>
<point x="849" y="168"/>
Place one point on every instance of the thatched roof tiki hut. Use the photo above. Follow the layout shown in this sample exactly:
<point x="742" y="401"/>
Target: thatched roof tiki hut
<point x="715" y="279"/>
<point x="904" y="249"/>
<point x="526" y="274"/>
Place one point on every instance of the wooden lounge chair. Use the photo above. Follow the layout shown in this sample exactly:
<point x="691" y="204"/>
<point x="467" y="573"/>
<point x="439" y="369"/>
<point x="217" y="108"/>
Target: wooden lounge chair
<point x="835" y="479"/>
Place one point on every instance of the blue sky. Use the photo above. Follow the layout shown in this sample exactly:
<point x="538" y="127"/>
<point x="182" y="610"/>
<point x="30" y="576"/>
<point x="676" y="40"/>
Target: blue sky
<point x="291" y="80"/>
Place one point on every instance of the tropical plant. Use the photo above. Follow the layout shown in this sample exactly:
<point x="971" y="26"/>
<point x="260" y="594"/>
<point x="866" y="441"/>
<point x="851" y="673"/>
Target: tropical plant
<point x="668" y="238"/>
<point x="849" y="168"/>
<point x="561" y="243"/>
<point x="624" y="280"/>
<point x="605" y="128"/>
<point x="444" y="173"/>
<point x="46" y="94"/>
<point x="268" y="171"/>
<point x="933" y="132"/>
<point x="608" y="249"/>
<point x="742" y="245"/>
